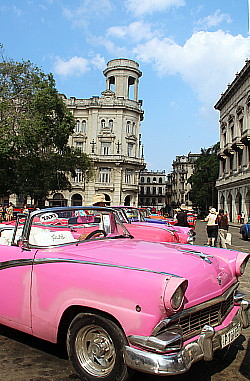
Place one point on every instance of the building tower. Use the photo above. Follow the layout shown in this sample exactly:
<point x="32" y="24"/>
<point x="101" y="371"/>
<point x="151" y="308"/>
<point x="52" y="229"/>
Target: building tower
<point x="108" y="130"/>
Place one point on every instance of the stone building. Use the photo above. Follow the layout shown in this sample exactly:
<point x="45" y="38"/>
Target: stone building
<point x="234" y="177"/>
<point x="183" y="167"/>
<point x="152" y="189"/>
<point x="108" y="130"/>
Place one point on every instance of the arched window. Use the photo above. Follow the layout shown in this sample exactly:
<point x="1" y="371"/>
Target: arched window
<point x="78" y="128"/>
<point x="128" y="128"/>
<point x="103" y="123"/>
<point x="160" y="180"/>
<point x="148" y="179"/>
<point x="142" y="179"/>
<point x="111" y="124"/>
<point x="84" y="126"/>
<point x="154" y="179"/>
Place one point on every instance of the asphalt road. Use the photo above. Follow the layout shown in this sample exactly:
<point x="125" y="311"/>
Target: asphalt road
<point x="23" y="357"/>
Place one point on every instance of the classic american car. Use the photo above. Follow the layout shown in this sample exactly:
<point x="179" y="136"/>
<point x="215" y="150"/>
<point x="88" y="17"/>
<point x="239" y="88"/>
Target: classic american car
<point x="150" y="230"/>
<point x="245" y="230"/>
<point x="76" y="276"/>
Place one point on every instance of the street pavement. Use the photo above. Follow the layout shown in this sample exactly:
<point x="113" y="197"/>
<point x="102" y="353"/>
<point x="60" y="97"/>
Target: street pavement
<point x="23" y="357"/>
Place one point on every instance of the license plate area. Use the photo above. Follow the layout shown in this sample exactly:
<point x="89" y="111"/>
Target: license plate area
<point x="229" y="336"/>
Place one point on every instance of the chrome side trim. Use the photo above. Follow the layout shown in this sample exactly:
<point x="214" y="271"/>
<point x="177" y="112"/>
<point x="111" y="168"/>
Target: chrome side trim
<point x="42" y="261"/>
<point x="166" y="322"/>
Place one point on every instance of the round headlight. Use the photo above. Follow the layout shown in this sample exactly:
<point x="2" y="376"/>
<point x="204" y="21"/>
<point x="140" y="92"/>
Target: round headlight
<point x="177" y="298"/>
<point x="243" y="266"/>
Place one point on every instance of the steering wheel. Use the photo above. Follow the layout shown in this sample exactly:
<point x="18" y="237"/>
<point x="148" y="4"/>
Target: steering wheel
<point x="94" y="232"/>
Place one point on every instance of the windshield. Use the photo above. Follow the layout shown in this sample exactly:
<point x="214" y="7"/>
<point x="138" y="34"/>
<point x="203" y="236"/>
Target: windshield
<point x="59" y="226"/>
<point x="133" y="214"/>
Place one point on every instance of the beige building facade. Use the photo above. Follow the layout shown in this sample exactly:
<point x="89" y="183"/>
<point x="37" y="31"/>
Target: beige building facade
<point x="234" y="177"/>
<point x="183" y="167"/>
<point x="108" y="130"/>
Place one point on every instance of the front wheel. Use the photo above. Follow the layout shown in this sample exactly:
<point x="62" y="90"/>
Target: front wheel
<point x="95" y="348"/>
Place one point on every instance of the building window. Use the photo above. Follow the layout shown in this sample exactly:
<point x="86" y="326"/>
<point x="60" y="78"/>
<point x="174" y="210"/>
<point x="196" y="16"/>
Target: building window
<point x="105" y="148"/>
<point x="130" y="150"/>
<point x="128" y="128"/>
<point x="142" y="179"/>
<point x="102" y="124"/>
<point x="160" y="180"/>
<point x="79" y="146"/>
<point x="104" y="175"/>
<point x="154" y="179"/>
<point x="142" y="190"/>
<point x="240" y="158"/>
<point x="128" y="176"/>
<point x="154" y="190"/>
<point x="79" y="178"/>
<point x="160" y="190"/>
<point x="133" y="128"/>
<point x="148" y="180"/>
<point x="111" y="124"/>
<point x="148" y="190"/>
<point x="84" y="126"/>
<point x="78" y="128"/>
<point x="159" y="201"/>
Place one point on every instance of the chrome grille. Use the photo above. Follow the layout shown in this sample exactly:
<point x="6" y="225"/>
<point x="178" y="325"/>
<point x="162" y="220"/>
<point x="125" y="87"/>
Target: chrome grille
<point x="213" y="315"/>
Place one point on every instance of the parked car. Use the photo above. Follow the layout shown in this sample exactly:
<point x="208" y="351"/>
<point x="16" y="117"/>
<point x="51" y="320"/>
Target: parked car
<point x="134" y="216"/>
<point x="245" y="230"/>
<point x="76" y="276"/>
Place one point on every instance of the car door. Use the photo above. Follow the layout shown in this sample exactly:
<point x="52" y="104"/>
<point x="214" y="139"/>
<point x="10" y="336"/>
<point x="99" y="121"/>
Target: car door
<point x="15" y="281"/>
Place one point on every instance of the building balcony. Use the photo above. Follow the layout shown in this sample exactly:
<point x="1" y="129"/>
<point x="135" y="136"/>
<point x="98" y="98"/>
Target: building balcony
<point x="228" y="150"/>
<point x="237" y="144"/>
<point x="245" y="138"/>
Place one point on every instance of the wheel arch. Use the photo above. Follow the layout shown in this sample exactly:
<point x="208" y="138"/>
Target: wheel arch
<point x="70" y="313"/>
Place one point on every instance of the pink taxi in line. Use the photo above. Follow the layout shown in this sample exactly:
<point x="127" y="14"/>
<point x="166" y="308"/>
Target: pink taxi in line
<point x="153" y="231"/>
<point x="76" y="276"/>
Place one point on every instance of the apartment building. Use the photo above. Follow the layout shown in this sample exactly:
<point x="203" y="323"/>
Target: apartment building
<point x="152" y="189"/>
<point x="234" y="177"/>
<point x="183" y="167"/>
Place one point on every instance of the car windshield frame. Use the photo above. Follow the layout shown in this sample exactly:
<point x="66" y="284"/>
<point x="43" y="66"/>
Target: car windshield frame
<point x="52" y="226"/>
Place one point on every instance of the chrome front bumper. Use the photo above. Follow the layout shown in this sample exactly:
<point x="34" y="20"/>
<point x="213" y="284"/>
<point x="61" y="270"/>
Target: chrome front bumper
<point x="202" y="348"/>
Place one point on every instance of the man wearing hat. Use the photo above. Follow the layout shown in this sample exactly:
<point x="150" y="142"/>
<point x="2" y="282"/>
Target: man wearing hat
<point x="191" y="217"/>
<point x="99" y="200"/>
<point x="182" y="216"/>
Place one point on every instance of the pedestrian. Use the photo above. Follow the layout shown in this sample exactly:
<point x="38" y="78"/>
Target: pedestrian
<point x="191" y="217"/>
<point x="223" y="228"/>
<point x="212" y="227"/>
<point x="1" y="213"/>
<point x="9" y="212"/>
<point x="238" y="218"/>
<point x="242" y="217"/>
<point x="25" y="210"/>
<point x="99" y="200"/>
<point x="182" y="216"/>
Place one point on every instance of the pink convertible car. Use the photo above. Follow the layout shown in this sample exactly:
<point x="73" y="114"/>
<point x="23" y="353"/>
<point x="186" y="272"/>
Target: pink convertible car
<point x="150" y="231"/>
<point x="76" y="276"/>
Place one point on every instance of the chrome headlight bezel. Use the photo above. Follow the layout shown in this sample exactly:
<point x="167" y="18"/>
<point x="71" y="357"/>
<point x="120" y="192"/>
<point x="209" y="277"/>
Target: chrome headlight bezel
<point x="175" y="293"/>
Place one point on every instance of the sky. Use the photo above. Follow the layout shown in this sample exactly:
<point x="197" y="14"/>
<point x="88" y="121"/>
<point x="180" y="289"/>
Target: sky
<point x="188" y="52"/>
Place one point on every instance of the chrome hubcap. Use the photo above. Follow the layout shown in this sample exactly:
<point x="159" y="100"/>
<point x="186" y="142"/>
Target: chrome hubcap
<point x="95" y="350"/>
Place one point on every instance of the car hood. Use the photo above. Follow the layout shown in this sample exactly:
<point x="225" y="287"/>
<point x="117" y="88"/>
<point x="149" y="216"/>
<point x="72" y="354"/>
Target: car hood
<point x="208" y="276"/>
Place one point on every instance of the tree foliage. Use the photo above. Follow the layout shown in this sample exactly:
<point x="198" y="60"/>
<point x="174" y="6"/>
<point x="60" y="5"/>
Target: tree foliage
<point x="35" y="126"/>
<point x="206" y="172"/>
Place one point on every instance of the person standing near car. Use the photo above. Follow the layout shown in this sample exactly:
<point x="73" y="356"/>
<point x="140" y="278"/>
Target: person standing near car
<point x="223" y="228"/>
<point x="182" y="216"/>
<point x="191" y="217"/>
<point x="212" y="227"/>
<point x="9" y="213"/>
